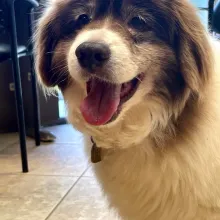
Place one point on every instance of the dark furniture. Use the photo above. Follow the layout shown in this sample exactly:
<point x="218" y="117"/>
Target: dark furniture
<point x="216" y="18"/>
<point x="210" y="15"/>
<point x="13" y="51"/>
<point x="209" y="8"/>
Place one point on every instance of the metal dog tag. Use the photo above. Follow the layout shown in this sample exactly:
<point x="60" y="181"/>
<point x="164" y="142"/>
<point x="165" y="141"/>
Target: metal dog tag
<point x="95" y="153"/>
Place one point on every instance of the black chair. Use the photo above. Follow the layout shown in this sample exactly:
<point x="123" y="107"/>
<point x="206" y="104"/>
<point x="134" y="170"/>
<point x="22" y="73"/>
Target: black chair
<point x="14" y="51"/>
<point x="210" y="13"/>
<point x="216" y="18"/>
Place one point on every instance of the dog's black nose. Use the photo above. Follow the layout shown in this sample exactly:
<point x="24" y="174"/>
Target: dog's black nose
<point x="92" y="55"/>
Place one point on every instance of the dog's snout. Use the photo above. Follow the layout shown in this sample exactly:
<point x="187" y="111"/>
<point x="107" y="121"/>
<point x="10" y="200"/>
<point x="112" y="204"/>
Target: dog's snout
<point x="92" y="55"/>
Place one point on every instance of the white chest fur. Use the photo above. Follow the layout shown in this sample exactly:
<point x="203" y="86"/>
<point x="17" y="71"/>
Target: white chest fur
<point x="144" y="185"/>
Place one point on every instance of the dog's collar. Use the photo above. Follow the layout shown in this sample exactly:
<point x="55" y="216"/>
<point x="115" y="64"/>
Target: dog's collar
<point x="96" y="152"/>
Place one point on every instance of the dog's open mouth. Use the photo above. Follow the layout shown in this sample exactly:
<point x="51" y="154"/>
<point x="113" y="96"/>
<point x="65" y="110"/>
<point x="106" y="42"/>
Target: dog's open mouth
<point x="104" y="100"/>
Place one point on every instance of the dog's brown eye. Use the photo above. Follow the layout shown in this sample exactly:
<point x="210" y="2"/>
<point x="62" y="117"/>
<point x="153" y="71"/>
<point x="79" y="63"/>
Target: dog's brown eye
<point x="138" y="24"/>
<point x="83" y="20"/>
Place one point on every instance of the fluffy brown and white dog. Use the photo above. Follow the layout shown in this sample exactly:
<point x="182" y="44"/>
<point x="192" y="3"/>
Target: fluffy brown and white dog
<point x="141" y="77"/>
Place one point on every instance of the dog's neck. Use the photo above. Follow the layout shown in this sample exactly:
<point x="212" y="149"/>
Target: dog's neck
<point x="160" y="137"/>
<point x="163" y="137"/>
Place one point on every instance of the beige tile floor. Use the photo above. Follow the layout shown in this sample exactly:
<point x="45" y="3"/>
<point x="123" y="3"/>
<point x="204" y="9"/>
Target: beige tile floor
<point x="59" y="186"/>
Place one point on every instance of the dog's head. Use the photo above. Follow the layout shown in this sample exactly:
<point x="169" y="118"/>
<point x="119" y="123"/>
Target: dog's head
<point x="126" y="67"/>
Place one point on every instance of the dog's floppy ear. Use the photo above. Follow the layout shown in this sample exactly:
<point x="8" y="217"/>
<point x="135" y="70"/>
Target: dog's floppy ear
<point x="47" y="35"/>
<point x="192" y="46"/>
<point x="45" y="42"/>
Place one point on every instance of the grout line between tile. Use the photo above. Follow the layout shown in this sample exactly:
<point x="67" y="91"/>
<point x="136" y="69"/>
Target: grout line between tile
<point x="62" y="199"/>
<point x="10" y="174"/>
<point x="27" y="174"/>
<point x="55" y="175"/>
<point x="8" y="145"/>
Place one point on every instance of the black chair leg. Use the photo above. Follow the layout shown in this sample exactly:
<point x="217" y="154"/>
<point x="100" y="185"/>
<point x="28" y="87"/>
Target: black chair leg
<point x="210" y="13"/>
<point x="34" y="85"/>
<point x="35" y="103"/>
<point x="18" y="90"/>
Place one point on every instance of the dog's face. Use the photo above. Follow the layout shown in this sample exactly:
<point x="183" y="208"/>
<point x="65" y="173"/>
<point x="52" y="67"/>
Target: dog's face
<point x="125" y="67"/>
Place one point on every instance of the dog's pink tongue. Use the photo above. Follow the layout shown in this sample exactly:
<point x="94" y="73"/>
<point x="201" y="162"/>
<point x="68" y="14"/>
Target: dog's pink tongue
<point x="101" y="103"/>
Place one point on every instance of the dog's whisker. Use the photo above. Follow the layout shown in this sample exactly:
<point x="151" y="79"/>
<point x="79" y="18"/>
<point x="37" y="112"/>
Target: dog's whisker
<point x="59" y="67"/>
<point x="140" y="80"/>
